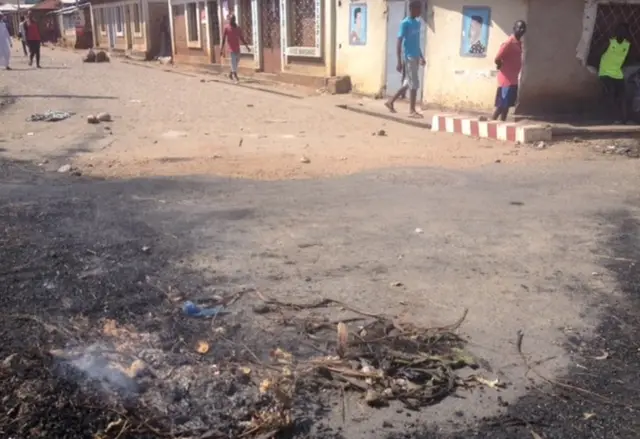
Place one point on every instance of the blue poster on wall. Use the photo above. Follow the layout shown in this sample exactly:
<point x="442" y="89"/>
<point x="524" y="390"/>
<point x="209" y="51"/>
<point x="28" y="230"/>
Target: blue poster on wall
<point x="357" y="24"/>
<point x="476" y="21"/>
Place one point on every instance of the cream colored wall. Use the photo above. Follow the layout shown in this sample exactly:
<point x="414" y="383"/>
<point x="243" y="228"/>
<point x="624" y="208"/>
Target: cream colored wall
<point x="553" y="79"/>
<point x="364" y="64"/>
<point x="456" y="82"/>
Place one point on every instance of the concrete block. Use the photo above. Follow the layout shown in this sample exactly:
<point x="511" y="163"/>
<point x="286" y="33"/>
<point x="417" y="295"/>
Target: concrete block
<point x="338" y="84"/>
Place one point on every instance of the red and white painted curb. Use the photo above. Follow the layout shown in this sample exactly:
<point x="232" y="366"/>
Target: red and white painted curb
<point x="507" y="131"/>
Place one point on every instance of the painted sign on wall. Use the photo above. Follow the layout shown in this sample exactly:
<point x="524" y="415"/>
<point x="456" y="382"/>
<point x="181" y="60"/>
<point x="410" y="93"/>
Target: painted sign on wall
<point x="476" y="21"/>
<point x="357" y="24"/>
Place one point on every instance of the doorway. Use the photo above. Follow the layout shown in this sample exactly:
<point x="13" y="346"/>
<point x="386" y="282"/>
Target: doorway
<point x="214" y="31"/>
<point x="111" y="26"/>
<point x="397" y="11"/>
<point x="270" y="25"/>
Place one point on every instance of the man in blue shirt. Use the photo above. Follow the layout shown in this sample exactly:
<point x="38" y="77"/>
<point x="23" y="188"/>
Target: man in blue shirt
<point x="409" y="43"/>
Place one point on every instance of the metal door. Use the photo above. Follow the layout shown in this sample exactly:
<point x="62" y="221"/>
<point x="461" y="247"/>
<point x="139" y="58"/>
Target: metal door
<point x="111" y="26"/>
<point x="270" y="25"/>
<point x="396" y="12"/>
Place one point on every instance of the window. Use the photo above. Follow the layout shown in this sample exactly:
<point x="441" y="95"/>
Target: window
<point x="135" y="14"/>
<point x="119" y="21"/>
<point x="103" y="21"/>
<point x="68" y="23"/>
<point x="192" y="16"/>
<point x="303" y="23"/>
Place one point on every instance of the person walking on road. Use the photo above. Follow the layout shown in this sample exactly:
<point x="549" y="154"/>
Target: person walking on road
<point x="509" y="64"/>
<point x="233" y="37"/>
<point x="409" y="43"/>
<point x="5" y="44"/>
<point x="22" y="34"/>
<point x="33" y="39"/>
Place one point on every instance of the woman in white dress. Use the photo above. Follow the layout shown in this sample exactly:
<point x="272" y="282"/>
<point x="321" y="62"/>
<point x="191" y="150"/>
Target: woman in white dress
<point x="5" y="44"/>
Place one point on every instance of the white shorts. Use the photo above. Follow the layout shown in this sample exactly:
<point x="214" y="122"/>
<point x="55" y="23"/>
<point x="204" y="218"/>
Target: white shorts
<point x="412" y="68"/>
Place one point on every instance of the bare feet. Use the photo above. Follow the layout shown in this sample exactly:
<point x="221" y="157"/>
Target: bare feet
<point x="389" y="105"/>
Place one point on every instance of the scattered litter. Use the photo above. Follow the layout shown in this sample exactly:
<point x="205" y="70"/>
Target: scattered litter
<point x="135" y="101"/>
<point x="191" y="309"/>
<point x="137" y="369"/>
<point x="29" y="134"/>
<point x="261" y="308"/>
<point x="380" y="133"/>
<point x="104" y="117"/>
<point x="604" y="356"/>
<point x="379" y="357"/>
<point x="304" y="159"/>
<point x="586" y="416"/>
<point x="50" y="116"/>
<point x="171" y="134"/>
<point x="493" y="384"/>
<point x="102" y="56"/>
<point x="146" y="249"/>
<point x="92" y="119"/>
<point x="535" y="435"/>
<point x="419" y="231"/>
<point x="202" y="347"/>
<point x="541" y="145"/>
<point x="64" y="169"/>
<point x="90" y="56"/>
<point x="397" y="284"/>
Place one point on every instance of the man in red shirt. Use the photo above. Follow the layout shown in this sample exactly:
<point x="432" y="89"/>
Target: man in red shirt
<point x="509" y="64"/>
<point x="233" y="36"/>
<point x="33" y="39"/>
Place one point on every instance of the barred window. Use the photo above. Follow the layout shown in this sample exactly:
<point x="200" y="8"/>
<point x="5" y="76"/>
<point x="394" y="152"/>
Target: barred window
<point x="303" y="23"/>
<point x="244" y="20"/>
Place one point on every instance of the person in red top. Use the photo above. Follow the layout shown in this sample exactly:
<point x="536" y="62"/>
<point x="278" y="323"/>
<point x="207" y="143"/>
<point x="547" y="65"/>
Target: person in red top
<point x="33" y="39"/>
<point x="509" y="64"/>
<point x="233" y="36"/>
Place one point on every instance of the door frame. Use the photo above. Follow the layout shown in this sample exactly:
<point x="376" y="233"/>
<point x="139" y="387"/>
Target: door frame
<point x="214" y="12"/>
<point x="425" y="20"/>
<point x="111" y="26"/>
<point x="262" y="12"/>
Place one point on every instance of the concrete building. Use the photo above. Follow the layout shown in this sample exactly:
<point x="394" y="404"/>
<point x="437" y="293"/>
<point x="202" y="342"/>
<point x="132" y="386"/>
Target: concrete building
<point x="460" y="41"/>
<point x="74" y="22"/>
<point x="290" y="39"/>
<point x="129" y="26"/>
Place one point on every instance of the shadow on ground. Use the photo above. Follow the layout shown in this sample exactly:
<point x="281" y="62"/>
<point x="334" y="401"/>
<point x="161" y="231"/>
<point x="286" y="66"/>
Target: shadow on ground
<point x="94" y="338"/>
<point x="599" y="398"/>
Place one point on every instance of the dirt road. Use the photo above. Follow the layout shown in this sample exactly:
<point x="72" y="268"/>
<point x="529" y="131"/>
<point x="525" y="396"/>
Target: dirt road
<point x="172" y="124"/>
<point x="412" y="223"/>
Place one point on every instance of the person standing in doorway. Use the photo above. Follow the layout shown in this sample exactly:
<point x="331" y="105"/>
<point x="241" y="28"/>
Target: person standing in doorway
<point x="22" y="34"/>
<point x="610" y="71"/>
<point x="233" y="37"/>
<point x="409" y="44"/>
<point x="509" y="64"/>
<point x="33" y="39"/>
<point x="5" y="43"/>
